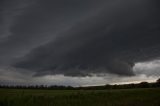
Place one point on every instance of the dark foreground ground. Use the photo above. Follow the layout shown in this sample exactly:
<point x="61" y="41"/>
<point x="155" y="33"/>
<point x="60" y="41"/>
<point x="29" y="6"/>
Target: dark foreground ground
<point x="128" y="97"/>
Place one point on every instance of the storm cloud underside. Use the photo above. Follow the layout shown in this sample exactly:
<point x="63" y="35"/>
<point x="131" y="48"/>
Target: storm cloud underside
<point x="79" y="38"/>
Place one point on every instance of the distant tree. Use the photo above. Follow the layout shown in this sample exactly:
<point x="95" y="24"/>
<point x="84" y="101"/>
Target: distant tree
<point x="158" y="81"/>
<point x="144" y="85"/>
<point x="107" y="86"/>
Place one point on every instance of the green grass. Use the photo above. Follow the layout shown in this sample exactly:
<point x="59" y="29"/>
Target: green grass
<point x="130" y="97"/>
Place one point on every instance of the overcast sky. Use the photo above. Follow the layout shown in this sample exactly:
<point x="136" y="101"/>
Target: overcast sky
<point x="79" y="42"/>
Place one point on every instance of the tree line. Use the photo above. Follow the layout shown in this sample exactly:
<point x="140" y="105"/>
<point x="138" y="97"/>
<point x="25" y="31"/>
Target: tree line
<point x="107" y="86"/>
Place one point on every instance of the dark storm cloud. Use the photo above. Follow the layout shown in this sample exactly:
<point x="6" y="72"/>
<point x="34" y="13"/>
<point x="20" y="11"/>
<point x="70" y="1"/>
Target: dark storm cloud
<point x="27" y="24"/>
<point x="111" y="41"/>
<point x="85" y="37"/>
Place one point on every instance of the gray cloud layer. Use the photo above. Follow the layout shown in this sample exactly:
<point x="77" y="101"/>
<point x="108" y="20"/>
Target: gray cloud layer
<point x="81" y="38"/>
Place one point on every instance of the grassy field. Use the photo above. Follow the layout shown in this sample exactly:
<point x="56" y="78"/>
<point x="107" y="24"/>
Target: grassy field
<point x="130" y="97"/>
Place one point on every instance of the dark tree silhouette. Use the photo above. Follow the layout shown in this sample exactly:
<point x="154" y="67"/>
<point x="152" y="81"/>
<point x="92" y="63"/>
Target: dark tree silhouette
<point x="158" y="81"/>
<point x="144" y="85"/>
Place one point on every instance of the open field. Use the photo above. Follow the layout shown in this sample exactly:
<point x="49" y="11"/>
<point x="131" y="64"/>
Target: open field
<point x="128" y="97"/>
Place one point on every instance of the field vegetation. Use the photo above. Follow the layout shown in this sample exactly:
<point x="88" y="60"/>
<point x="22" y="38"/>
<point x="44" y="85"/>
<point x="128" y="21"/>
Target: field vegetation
<point x="123" y="97"/>
<point x="142" y="94"/>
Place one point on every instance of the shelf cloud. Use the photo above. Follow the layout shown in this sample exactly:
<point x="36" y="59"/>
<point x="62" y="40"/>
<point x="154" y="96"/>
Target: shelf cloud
<point x="79" y="38"/>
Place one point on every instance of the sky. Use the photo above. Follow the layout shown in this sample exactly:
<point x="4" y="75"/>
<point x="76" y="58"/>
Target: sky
<point x="79" y="42"/>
